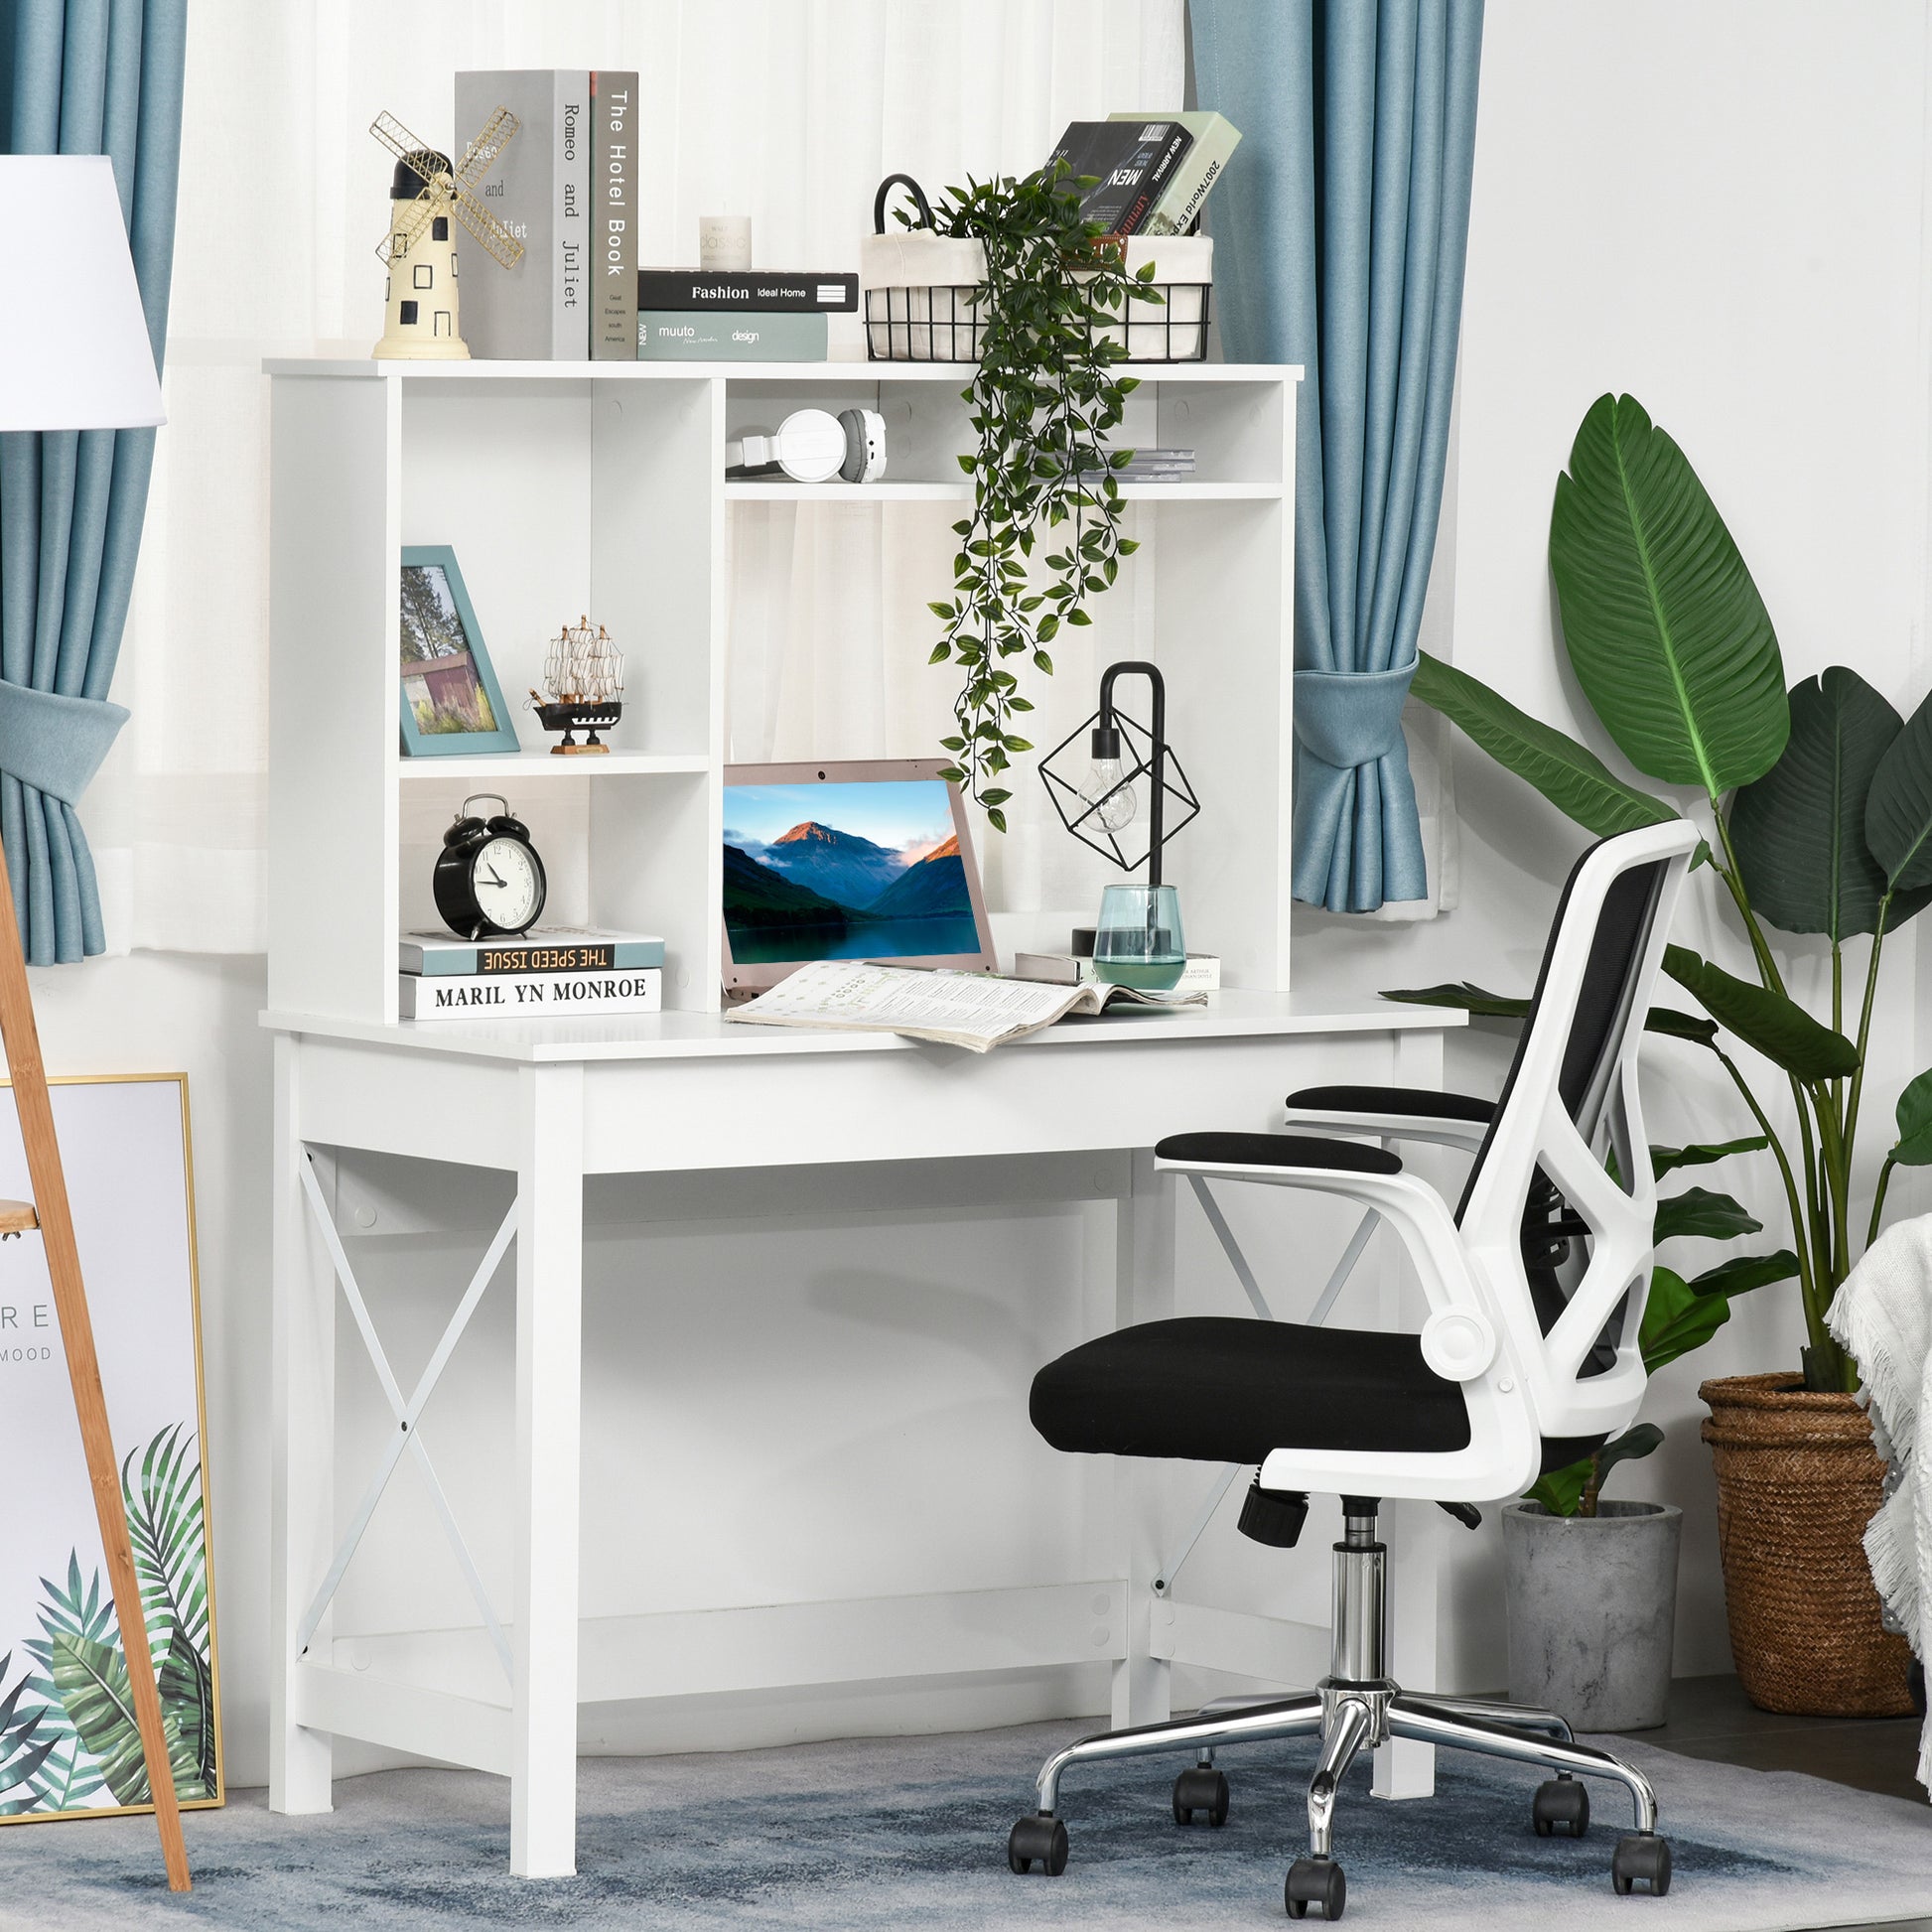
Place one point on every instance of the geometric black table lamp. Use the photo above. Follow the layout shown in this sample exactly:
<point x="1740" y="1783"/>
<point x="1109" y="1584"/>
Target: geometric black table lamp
<point x="1139" y="941"/>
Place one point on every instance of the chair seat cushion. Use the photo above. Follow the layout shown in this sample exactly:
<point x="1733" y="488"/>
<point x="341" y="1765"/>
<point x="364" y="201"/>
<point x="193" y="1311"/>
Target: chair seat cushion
<point x="1222" y="1389"/>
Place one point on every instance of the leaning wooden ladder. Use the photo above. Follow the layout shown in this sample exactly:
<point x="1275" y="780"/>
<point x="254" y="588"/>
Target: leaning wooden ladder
<point x="49" y="1212"/>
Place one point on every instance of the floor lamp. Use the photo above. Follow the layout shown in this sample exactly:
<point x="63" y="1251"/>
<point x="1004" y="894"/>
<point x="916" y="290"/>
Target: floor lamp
<point x="74" y="354"/>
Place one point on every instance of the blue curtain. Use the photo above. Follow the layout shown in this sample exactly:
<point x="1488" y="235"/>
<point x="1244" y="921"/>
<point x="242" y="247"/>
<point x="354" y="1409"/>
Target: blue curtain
<point x="1340" y="231"/>
<point x="78" y="77"/>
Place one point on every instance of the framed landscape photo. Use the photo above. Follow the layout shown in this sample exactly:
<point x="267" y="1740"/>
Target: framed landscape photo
<point x="452" y="703"/>
<point x="68" y="1744"/>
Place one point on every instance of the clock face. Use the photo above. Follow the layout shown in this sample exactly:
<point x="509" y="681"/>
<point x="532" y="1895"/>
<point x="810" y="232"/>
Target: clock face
<point x="508" y="889"/>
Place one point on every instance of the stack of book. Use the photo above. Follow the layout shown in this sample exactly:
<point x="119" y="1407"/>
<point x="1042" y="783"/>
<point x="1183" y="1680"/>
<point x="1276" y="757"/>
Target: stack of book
<point x="566" y="185"/>
<point x="1152" y="466"/>
<point x="753" y="315"/>
<point x="1152" y="173"/>
<point x="539" y="974"/>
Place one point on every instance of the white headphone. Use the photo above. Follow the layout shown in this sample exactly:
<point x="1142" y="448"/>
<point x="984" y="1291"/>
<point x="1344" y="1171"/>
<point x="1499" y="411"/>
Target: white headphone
<point x="814" y="446"/>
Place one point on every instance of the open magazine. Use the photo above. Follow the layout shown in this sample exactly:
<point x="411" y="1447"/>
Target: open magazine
<point x="977" y="1011"/>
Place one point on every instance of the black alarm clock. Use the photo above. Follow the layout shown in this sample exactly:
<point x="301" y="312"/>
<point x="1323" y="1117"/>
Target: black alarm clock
<point x="488" y="878"/>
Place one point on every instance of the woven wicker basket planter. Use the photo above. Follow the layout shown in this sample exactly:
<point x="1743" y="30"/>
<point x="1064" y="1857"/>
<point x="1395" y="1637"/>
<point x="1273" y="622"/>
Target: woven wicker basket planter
<point x="1797" y="1481"/>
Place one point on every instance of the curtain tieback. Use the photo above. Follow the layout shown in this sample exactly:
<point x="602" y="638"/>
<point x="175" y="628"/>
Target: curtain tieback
<point x="1343" y="718"/>
<point x="52" y="743"/>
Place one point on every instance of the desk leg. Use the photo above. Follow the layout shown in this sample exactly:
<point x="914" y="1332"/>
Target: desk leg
<point x="303" y="1452"/>
<point x="1413" y="1531"/>
<point x="1143" y="1270"/>
<point x="549" y="1377"/>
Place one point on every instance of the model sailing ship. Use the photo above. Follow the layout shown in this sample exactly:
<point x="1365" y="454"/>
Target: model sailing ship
<point x="582" y="674"/>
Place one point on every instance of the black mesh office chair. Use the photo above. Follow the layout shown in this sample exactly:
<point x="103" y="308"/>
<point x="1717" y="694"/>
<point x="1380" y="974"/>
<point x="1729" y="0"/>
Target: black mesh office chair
<point x="1528" y="1359"/>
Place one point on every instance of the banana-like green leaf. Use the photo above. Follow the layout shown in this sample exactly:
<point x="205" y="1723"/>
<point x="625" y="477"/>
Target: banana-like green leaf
<point x="1914" y="1149"/>
<point x="1675" y="1321"/>
<point x="1569" y="775"/>
<point x="92" y="1679"/>
<point x="1700" y="1213"/>
<point x="1665" y="1160"/>
<point x="1777" y="1026"/>
<point x="187" y="1717"/>
<point x="1742" y="1273"/>
<point x="1634" y="1444"/>
<point x="1560" y="1492"/>
<point x="1800" y="829"/>
<point x="1898" y="808"/>
<point x="1464" y="995"/>
<point x="1664" y="627"/>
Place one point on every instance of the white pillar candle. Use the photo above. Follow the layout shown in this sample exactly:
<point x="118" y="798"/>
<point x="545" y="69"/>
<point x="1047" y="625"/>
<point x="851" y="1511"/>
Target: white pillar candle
<point x="724" y="241"/>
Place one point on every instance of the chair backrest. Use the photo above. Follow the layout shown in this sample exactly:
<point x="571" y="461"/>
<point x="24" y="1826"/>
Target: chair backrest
<point x="1569" y="1121"/>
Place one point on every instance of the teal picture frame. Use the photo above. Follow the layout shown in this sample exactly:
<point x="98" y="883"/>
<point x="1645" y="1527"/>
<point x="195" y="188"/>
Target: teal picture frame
<point x="451" y="702"/>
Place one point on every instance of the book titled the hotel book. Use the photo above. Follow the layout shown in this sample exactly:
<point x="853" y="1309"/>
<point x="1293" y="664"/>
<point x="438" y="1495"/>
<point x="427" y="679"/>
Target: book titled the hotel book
<point x="615" y="176"/>
<point x="529" y="996"/>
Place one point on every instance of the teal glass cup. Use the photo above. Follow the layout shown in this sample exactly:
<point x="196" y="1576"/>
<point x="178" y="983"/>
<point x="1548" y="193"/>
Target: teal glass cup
<point x="1137" y="941"/>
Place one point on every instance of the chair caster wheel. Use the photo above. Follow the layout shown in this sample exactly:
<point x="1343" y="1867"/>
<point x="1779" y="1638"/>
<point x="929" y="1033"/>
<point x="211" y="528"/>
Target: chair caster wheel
<point x="1200" y="1788"/>
<point x="1560" y="1804"/>
<point x="1315" y="1882"/>
<point x="1641" y="1857"/>
<point x="1040" y="1838"/>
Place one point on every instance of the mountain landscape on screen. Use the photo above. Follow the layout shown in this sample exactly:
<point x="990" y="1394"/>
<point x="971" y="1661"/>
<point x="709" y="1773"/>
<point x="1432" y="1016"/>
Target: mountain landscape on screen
<point x="818" y="890"/>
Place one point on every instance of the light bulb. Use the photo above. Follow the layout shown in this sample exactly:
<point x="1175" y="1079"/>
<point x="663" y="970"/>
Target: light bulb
<point x="1111" y="804"/>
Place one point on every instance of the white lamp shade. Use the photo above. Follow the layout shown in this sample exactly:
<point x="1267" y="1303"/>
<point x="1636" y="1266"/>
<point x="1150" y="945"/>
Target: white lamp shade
<point x="73" y="342"/>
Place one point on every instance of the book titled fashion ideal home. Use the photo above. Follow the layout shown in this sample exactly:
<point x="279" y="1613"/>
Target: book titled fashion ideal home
<point x="544" y="949"/>
<point x="751" y="290"/>
<point x="529" y="996"/>
<point x="686" y="335"/>
<point x="539" y="188"/>
<point x="614" y="227"/>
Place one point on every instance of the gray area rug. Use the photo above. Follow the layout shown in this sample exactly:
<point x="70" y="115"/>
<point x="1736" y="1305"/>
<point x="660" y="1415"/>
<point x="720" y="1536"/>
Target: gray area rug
<point x="898" y="1832"/>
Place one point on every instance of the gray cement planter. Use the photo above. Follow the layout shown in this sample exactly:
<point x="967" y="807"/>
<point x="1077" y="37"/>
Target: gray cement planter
<point x="1591" y="1602"/>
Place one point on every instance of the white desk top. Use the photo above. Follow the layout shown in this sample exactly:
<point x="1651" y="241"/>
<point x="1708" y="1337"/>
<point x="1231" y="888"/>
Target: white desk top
<point x="710" y="1036"/>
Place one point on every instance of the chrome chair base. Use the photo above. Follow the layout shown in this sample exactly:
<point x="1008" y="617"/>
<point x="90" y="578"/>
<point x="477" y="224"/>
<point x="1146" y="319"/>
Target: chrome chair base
<point x="1354" y="1709"/>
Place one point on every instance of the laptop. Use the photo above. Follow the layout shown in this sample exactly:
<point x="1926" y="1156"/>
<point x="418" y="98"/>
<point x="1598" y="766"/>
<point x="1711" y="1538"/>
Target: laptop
<point x="859" y="859"/>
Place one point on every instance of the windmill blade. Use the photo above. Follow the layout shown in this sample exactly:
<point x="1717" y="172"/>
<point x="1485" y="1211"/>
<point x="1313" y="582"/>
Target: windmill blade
<point x="405" y="228"/>
<point x="400" y="142"/>
<point x="490" y="233"/>
<point x="481" y="155"/>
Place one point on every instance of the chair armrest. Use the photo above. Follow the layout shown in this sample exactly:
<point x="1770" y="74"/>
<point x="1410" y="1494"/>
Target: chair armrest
<point x="1274" y="1151"/>
<point x="1458" y="1120"/>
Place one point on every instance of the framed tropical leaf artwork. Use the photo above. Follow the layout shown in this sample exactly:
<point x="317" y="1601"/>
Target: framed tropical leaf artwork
<point x="68" y="1744"/>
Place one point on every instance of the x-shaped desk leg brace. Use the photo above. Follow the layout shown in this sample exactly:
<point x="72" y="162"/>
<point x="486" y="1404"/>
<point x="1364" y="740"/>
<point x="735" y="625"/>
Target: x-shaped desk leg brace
<point x="406" y="1412"/>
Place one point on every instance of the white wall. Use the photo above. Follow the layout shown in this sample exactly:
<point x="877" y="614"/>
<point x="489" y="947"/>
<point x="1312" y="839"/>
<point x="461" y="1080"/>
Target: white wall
<point x="1718" y="209"/>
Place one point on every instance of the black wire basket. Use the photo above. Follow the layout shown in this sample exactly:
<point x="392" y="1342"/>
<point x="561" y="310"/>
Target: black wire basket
<point x="945" y="324"/>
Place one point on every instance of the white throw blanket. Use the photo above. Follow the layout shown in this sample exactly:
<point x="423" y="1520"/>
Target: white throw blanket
<point x="1883" y="1315"/>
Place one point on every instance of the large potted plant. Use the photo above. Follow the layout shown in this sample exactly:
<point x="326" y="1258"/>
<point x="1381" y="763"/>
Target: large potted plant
<point x="1819" y="804"/>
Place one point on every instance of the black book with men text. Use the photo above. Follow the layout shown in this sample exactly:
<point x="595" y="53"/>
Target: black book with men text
<point x="1130" y="162"/>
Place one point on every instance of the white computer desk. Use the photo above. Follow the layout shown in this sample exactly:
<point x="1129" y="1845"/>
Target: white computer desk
<point x="553" y="1101"/>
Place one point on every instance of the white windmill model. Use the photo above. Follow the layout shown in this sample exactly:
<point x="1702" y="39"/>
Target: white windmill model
<point x="427" y="198"/>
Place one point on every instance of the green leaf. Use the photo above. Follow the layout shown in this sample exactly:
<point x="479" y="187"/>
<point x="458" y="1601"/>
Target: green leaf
<point x="187" y="1717"/>
<point x="1631" y="1447"/>
<point x="1742" y="1273"/>
<point x="1561" y="1491"/>
<point x="1675" y="1321"/>
<point x="92" y="1679"/>
<point x="1464" y="995"/>
<point x="1664" y="627"/>
<point x="997" y="819"/>
<point x="1569" y="775"/>
<point x="1800" y="829"/>
<point x="1914" y="1116"/>
<point x="1700" y="1213"/>
<point x="1664" y="1160"/>
<point x="1898" y="809"/>
<point x="940" y="652"/>
<point x="1777" y="1026"/>
<point x="1681" y="1026"/>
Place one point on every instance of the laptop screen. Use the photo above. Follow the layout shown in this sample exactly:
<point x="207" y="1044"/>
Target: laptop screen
<point x="845" y="869"/>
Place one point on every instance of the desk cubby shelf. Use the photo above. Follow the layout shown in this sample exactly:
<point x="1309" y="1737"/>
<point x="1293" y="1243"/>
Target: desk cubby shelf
<point x="598" y="487"/>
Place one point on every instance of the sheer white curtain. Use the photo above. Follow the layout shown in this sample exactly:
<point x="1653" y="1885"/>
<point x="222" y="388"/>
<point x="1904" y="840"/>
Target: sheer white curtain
<point x="789" y="111"/>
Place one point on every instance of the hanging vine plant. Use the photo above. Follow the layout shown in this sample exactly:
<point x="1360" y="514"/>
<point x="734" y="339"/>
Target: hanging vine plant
<point x="1043" y="399"/>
